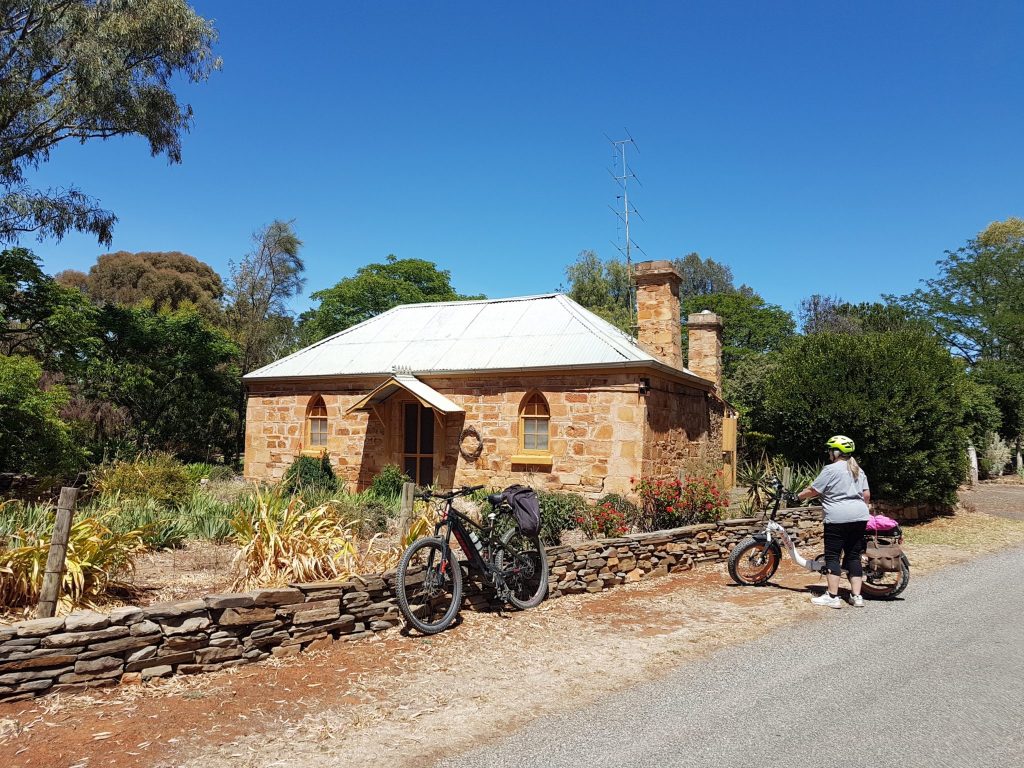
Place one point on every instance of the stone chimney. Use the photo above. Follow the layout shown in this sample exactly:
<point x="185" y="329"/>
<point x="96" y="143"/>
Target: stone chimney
<point x="704" y="332"/>
<point x="657" y="304"/>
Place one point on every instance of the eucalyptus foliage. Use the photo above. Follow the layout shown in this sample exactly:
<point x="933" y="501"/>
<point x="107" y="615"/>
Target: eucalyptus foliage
<point x="89" y="69"/>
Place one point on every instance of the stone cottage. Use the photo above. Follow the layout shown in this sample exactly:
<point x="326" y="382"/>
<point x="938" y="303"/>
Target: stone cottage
<point x="533" y="389"/>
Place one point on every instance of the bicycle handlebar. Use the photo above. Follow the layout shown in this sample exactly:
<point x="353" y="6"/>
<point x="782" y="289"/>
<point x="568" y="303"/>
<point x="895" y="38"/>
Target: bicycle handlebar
<point x="463" y="491"/>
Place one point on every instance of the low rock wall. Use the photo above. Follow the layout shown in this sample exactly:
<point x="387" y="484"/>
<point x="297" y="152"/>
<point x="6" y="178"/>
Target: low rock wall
<point x="88" y="650"/>
<point x="911" y="513"/>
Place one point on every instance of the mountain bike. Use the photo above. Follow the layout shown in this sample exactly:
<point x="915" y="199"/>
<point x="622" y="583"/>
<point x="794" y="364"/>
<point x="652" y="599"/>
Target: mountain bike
<point x="429" y="583"/>
<point x="754" y="560"/>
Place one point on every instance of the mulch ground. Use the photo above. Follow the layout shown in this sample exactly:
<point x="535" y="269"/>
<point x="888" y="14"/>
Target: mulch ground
<point x="161" y="724"/>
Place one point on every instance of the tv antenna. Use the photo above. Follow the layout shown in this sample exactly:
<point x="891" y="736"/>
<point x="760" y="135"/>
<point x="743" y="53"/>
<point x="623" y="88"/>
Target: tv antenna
<point x="622" y="174"/>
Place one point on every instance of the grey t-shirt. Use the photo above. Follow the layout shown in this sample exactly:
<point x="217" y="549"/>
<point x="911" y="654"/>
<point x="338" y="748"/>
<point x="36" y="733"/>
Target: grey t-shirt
<point x="842" y="494"/>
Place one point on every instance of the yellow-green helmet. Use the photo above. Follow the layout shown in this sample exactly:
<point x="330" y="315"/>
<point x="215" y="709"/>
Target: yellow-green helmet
<point x="841" y="443"/>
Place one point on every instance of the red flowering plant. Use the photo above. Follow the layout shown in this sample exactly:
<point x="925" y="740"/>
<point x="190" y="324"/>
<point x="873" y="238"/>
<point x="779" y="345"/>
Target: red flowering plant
<point x="670" y="503"/>
<point x="660" y="502"/>
<point x="702" y="500"/>
<point x="602" y="521"/>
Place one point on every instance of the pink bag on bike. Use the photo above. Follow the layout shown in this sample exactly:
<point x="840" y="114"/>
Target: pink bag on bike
<point x="881" y="523"/>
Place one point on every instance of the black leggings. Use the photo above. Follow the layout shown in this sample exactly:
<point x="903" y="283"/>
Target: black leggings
<point x="847" y="538"/>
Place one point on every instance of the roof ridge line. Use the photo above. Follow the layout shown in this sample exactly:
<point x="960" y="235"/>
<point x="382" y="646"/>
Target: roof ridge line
<point x="611" y="342"/>
<point x="453" y="302"/>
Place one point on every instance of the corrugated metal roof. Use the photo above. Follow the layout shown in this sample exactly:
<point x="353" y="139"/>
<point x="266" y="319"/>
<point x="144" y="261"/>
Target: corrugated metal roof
<point x="546" y="331"/>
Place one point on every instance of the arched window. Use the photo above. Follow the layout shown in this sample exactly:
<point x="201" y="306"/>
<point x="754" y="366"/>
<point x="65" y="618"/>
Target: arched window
<point x="316" y="423"/>
<point x="534" y="421"/>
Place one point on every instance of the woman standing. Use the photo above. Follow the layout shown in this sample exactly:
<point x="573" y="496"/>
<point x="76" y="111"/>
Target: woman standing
<point x="843" y="488"/>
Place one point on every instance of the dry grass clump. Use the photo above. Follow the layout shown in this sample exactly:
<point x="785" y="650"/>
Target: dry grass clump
<point x="970" y="532"/>
<point x="284" y="540"/>
<point x="97" y="560"/>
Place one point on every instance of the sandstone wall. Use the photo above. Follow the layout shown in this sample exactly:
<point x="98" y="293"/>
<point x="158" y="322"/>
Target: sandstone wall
<point x="87" y="650"/>
<point x="683" y="428"/>
<point x="597" y="430"/>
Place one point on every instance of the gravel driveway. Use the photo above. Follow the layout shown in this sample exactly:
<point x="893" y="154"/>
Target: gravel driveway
<point x="1001" y="500"/>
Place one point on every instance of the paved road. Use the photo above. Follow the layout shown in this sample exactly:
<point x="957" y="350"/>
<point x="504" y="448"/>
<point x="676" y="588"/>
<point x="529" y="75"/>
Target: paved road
<point x="949" y="694"/>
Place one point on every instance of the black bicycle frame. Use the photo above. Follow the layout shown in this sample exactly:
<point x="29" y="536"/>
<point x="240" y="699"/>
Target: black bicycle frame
<point x="456" y="523"/>
<point x="459" y="525"/>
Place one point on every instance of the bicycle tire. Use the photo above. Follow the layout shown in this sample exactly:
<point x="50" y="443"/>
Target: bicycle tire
<point x="746" y="553"/>
<point x="877" y="591"/>
<point x="888" y="592"/>
<point x="533" y="560"/>
<point x="414" y="603"/>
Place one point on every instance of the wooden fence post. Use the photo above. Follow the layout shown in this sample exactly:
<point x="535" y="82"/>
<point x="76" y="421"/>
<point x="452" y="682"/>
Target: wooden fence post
<point x="54" y="574"/>
<point x="405" y="511"/>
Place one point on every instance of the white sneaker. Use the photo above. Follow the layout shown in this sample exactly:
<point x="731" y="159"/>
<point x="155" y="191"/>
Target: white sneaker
<point x="857" y="601"/>
<point x="825" y="599"/>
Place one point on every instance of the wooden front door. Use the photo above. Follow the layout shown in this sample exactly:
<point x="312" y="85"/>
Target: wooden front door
<point x="418" y="443"/>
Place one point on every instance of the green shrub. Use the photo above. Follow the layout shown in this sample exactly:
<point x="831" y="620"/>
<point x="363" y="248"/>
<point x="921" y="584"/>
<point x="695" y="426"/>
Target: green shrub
<point x="558" y="512"/>
<point x="156" y="476"/>
<point x="212" y="472"/>
<point x="897" y="394"/>
<point x="389" y="481"/>
<point x="33" y="437"/>
<point x="310" y="474"/>
<point x="197" y="471"/>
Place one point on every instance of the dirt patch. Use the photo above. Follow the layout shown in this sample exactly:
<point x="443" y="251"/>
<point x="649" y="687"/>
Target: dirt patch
<point x="948" y="540"/>
<point x="1002" y="499"/>
<point x="200" y="568"/>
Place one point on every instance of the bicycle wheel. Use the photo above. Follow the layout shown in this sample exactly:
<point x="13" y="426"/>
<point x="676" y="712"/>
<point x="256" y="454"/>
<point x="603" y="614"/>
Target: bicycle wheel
<point x="886" y="585"/>
<point x="523" y="562"/>
<point x="751" y="564"/>
<point x="429" y="587"/>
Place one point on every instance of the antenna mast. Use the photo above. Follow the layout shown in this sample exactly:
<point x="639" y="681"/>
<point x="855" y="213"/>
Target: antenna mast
<point x="622" y="173"/>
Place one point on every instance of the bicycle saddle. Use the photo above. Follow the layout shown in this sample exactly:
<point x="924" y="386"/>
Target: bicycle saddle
<point x="494" y="499"/>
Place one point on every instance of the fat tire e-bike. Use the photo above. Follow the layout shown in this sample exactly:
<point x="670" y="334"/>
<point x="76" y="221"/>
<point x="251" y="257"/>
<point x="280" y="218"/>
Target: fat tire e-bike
<point x="754" y="560"/>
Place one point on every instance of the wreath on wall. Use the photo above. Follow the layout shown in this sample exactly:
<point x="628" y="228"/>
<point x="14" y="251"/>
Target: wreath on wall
<point x="471" y="453"/>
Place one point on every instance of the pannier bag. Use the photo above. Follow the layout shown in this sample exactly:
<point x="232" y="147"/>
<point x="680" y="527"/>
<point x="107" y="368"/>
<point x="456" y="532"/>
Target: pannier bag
<point x="525" y="506"/>
<point x="883" y="554"/>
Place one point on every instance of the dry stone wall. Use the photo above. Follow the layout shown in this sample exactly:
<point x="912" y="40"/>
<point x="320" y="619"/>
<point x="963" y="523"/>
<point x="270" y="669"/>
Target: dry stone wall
<point x="88" y="649"/>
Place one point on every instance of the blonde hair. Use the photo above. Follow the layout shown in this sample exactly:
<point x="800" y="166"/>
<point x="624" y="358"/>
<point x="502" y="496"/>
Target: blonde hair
<point x="851" y="463"/>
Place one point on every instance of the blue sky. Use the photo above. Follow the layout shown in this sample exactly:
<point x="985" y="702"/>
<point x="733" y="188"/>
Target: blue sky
<point x="815" y="147"/>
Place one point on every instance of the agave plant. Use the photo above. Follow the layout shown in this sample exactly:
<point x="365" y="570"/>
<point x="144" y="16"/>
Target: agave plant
<point x="206" y="518"/>
<point x="754" y="475"/>
<point x="796" y="477"/>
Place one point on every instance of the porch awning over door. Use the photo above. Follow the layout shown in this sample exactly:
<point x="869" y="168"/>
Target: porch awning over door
<point x="428" y="397"/>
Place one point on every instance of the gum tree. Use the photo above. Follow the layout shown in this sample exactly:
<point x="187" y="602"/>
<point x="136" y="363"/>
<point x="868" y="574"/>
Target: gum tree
<point x="89" y="69"/>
